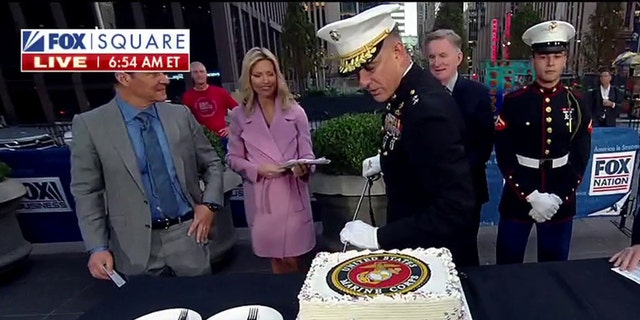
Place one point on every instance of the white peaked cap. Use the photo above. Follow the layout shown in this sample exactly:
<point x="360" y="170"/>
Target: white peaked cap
<point x="357" y="39"/>
<point x="549" y="36"/>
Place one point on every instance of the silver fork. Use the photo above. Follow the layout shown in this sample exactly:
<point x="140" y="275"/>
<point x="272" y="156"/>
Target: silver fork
<point x="253" y="314"/>
<point x="183" y="314"/>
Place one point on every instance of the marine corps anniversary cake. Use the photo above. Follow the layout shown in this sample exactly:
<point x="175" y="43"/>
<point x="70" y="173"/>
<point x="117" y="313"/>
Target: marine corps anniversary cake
<point x="398" y="284"/>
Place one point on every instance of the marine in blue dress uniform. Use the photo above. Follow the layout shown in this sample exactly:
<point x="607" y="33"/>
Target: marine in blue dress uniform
<point x="430" y="198"/>
<point x="542" y="146"/>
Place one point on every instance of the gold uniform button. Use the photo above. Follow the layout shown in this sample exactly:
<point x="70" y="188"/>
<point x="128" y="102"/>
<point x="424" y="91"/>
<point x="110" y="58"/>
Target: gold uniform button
<point x="549" y="130"/>
<point x="549" y="119"/>
<point x="547" y="100"/>
<point x="517" y="185"/>
<point x="384" y="153"/>
<point x="412" y="92"/>
<point x="522" y="193"/>
<point x="548" y="109"/>
<point x="548" y="141"/>
<point x="510" y="177"/>
<point x="546" y="152"/>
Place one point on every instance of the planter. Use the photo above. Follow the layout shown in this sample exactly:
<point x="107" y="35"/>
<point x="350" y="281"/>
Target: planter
<point x="13" y="247"/>
<point x="337" y="199"/>
<point x="223" y="237"/>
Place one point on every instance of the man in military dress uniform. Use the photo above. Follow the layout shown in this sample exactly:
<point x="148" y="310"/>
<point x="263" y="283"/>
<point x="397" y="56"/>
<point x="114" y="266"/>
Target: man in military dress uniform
<point x="543" y="142"/>
<point x="430" y="199"/>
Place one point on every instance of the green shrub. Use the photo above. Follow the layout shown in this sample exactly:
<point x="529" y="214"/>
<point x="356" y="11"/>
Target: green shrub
<point x="5" y="171"/>
<point x="347" y="140"/>
<point x="216" y="143"/>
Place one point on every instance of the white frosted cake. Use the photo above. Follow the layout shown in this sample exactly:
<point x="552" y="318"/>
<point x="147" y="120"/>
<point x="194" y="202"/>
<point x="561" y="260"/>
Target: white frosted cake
<point x="398" y="284"/>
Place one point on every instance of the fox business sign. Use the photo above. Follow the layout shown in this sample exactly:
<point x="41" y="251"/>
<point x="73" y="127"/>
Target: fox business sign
<point x="611" y="173"/>
<point x="105" y="50"/>
<point x="43" y="195"/>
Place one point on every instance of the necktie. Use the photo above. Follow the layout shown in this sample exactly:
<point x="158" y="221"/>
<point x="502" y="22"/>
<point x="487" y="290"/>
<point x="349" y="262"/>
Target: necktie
<point x="156" y="165"/>
<point x="447" y="90"/>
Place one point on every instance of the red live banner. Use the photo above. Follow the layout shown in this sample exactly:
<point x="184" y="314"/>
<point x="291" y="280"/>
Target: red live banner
<point x="60" y="62"/>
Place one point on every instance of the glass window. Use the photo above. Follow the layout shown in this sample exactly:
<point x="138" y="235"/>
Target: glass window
<point x="157" y="16"/>
<point x="98" y="96"/>
<point x="175" y="90"/>
<point x="246" y="24"/>
<point x="256" y="32"/>
<point x="237" y="38"/>
<point x="265" y="39"/>
<point x="64" y="106"/>
<point x="199" y="20"/>
<point x="26" y="102"/>
<point x="123" y="13"/>
<point x="41" y="18"/>
<point x="11" y="39"/>
<point x="79" y="15"/>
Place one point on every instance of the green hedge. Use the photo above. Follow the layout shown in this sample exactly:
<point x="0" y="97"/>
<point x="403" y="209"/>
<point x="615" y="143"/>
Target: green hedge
<point x="347" y="140"/>
<point x="216" y="143"/>
<point x="5" y="171"/>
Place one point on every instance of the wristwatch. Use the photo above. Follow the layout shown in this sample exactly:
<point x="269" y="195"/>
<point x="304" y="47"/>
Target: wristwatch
<point x="213" y="207"/>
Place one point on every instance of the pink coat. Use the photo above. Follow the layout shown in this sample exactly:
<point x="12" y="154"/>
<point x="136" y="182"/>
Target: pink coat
<point x="278" y="210"/>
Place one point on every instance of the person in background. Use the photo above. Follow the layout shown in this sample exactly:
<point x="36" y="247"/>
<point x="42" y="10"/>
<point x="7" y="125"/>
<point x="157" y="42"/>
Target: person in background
<point x="472" y="98"/>
<point x="209" y="103"/>
<point x="430" y="197"/>
<point x="606" y="101"/>
<point x="269" y="129"/>
<point x="542" y="145"/>
<point x="136" y="166"/>
<point x="629" y="258"/>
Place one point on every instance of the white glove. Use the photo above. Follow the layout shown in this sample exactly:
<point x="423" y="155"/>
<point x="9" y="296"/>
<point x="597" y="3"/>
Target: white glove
<point x="360" y="234"/>
<point x="543" y="202"/>
<point x="371" y="166"/>
<point x="544" y="206"/>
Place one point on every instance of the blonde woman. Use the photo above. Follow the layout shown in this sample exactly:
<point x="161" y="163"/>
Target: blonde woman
<point x="268" y="129"/>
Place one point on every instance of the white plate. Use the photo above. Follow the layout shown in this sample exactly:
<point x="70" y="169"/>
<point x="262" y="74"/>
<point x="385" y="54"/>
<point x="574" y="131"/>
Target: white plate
<point x="170" y="314"/>
<point x="241" y="313"/>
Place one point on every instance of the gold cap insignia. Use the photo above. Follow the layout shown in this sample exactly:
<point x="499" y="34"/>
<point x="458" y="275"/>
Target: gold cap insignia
<point x="553" y="26"/>
<point x="355" y="60"/>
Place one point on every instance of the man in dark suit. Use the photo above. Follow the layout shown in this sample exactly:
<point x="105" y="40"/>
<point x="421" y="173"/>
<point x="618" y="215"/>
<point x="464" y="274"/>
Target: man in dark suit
<point x="443" y="48"/>
<point x="606" y="101"/>
<point x="428" y="185"/>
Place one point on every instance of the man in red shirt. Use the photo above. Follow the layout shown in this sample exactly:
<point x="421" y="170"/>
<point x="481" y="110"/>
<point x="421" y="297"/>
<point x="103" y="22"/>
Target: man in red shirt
<point x="208" y="103"/>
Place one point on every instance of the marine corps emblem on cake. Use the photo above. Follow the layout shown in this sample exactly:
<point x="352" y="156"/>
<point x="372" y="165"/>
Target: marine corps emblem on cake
<point x="379" y="274"/>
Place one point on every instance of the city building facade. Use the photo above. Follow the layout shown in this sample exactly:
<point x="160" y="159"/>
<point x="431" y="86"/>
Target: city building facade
<point x="220" y="35"/>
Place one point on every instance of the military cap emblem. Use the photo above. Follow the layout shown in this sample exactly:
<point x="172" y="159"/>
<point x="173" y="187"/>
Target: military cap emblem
<point x="335" y="35"/>
<point x="553" y="25"/>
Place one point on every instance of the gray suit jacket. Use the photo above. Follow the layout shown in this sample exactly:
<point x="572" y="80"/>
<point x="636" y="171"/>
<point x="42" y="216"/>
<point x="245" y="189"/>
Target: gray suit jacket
<point x="111" y="205"/>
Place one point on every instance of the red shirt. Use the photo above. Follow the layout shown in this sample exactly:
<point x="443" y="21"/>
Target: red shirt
<point x="210" y="106"/>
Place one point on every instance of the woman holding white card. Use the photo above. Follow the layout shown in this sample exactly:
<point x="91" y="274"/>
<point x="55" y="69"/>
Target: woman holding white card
<point x="267" y="130"/>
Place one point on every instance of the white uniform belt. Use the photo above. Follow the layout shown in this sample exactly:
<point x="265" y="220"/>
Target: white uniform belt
<point x="539" y="163"/>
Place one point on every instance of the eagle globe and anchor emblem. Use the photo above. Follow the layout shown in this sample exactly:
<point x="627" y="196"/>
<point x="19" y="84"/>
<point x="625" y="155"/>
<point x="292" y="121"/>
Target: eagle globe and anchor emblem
<point x="376" y="274"/>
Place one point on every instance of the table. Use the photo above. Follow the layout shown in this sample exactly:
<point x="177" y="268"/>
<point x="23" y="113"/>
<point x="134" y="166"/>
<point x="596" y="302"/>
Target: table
<point x="579" y="289"/>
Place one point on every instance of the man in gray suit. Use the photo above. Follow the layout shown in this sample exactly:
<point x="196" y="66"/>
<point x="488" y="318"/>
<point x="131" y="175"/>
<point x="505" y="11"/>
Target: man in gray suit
<point x="136" y="165"/>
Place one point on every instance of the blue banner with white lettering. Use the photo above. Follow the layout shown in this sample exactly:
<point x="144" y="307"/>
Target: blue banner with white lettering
<point x="607" y="183"/>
